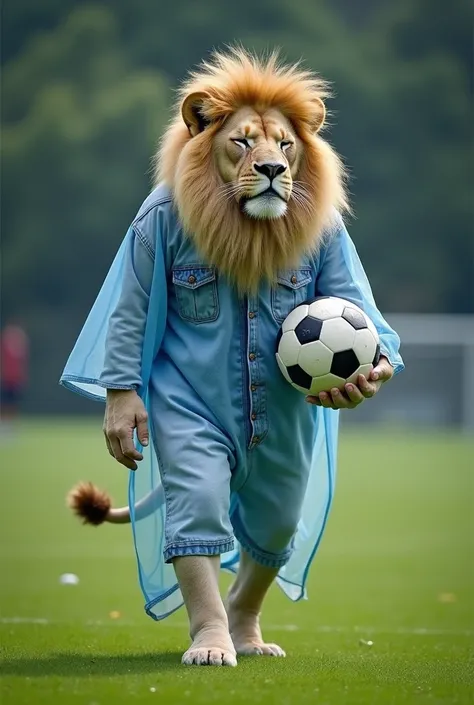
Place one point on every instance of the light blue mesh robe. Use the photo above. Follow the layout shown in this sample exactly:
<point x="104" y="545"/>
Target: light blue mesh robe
<point x="161" y="303"/>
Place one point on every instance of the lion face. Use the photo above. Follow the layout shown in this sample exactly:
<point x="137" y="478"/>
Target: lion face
<point x="257" y="156"/>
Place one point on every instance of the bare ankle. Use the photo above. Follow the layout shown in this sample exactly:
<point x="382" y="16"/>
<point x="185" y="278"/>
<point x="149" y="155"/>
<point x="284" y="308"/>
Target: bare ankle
<point x="211" y="624"/>
<point x="235" y="608"/>
<point x="238" y="602"/>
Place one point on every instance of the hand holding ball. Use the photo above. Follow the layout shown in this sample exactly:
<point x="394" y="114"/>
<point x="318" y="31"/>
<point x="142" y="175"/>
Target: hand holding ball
<point x="326" y="343"/>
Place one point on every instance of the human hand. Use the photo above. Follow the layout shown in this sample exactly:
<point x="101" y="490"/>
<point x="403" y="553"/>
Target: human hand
<point x="124" y="412"/>
<point x="353" y="395"/>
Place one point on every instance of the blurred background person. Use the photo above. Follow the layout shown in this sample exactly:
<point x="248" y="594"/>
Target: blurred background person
<point x="14" y="356"/>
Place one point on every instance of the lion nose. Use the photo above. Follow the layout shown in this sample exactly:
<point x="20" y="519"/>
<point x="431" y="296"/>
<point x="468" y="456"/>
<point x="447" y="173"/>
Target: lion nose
<point x="270" y="169"/>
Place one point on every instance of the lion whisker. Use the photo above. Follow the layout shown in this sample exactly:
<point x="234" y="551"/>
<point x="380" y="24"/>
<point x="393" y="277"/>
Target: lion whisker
<point x="227" y="187"/>
<point x="304" y="184"/>
<point x="229" y="194"/>
<point x="303" y="202"/>
<point x="301" y="190"/>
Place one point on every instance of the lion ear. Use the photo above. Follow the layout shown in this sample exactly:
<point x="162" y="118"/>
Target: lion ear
<point x="192" y="112"/>
<point x="319" y="115"/>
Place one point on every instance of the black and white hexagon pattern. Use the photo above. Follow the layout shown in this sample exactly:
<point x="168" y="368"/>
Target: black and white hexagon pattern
<point x="325" y="343"/>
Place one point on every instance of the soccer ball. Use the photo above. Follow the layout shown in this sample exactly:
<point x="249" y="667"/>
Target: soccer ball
<point x="325" y="343"/>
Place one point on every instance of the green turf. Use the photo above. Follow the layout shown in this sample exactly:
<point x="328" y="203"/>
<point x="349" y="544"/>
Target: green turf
<point x="395" y="567"/>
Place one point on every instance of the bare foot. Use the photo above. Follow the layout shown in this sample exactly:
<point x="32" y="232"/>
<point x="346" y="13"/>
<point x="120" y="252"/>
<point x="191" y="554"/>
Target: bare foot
<point x="246" y="634"/>
<point x="212" y="646"/>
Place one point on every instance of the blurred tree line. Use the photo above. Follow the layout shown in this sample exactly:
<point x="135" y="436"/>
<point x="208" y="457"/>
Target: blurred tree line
<point x="86" y="91"/>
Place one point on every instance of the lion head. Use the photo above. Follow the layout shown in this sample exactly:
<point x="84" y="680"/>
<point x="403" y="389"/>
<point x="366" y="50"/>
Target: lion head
<point x="254" y="183"/>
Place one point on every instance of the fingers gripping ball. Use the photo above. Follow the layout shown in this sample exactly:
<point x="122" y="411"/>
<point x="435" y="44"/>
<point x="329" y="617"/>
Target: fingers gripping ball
<point x="325" y="343"/>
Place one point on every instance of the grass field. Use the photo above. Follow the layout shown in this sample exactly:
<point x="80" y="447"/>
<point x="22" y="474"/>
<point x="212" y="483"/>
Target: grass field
<point x="395" y="567"/>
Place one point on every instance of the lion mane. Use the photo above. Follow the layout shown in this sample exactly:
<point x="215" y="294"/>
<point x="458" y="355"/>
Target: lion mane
<point x="249" y="250"/>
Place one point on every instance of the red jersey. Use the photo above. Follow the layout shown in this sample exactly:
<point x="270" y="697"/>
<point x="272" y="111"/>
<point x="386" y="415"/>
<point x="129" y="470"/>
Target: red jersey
<point x="13" y="356"/>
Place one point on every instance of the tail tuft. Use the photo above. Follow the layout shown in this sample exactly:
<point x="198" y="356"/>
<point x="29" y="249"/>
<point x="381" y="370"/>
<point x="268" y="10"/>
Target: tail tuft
<point x="89" y="503"/>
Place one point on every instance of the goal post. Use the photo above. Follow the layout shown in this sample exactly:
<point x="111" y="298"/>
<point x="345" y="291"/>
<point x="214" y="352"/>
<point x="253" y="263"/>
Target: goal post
<point x="437" y="387"/>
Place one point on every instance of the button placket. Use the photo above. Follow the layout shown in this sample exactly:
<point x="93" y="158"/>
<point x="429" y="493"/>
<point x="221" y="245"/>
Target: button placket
<point x="257" y="417"/>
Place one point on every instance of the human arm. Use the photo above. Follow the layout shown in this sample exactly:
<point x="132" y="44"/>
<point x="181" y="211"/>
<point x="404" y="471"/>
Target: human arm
<point x="341" y="274"/>
<point x="125" y="410"/>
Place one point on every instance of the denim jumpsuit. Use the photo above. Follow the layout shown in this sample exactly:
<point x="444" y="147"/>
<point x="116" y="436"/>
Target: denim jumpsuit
<point x="237" y="454"/>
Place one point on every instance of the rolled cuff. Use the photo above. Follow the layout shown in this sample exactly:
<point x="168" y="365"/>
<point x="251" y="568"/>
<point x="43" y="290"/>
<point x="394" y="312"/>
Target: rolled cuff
<point x="197" y="548"/>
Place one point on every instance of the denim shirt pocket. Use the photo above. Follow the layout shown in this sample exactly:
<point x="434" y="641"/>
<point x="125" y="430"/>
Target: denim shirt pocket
<point x="196" y="293"/>
<point x="290" y="291"/>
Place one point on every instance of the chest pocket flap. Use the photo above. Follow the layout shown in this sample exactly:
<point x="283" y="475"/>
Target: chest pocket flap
<point x="292" y="288"/>
<point x="196" y="293"/>
<point x="295" y="278"/>
<point x="193" y="277"/>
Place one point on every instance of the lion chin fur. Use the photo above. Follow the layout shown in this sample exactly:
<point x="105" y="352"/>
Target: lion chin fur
<point x="89" y="503"/>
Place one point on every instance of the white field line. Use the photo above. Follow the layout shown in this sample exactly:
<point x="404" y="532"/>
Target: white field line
<point x="322" y="628"/>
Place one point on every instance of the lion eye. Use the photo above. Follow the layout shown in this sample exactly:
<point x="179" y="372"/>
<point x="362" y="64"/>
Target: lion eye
<point x="242" y="143"/>
<point x="284" y="145"/>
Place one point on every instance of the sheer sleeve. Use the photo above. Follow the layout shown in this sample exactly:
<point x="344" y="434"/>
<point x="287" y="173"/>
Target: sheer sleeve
<point x="342" y="274"/>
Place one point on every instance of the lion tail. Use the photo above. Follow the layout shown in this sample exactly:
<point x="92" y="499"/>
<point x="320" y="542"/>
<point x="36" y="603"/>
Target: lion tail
<point x="94" y="506"/>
